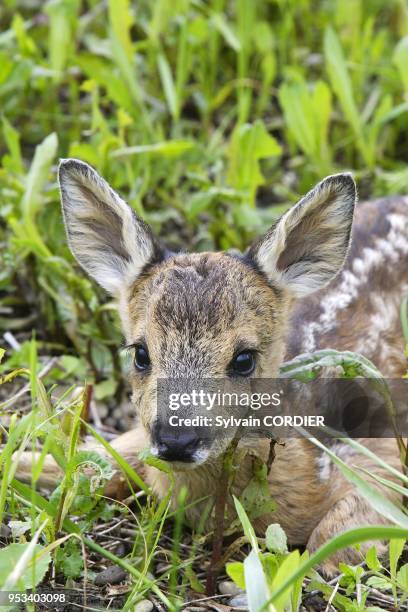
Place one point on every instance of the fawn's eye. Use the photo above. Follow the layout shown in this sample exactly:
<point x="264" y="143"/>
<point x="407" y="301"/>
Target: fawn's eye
<point x="243" y="364"/>
<point x="142" y="359"/>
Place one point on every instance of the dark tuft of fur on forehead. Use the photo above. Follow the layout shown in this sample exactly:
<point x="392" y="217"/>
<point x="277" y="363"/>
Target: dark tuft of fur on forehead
<point x="198" y="296"/>
<point x="205" y="292"/>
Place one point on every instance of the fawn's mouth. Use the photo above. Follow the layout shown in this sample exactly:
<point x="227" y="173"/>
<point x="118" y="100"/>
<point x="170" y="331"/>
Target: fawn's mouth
<point x="185" y="448"/>
<point x="180" y="462"/>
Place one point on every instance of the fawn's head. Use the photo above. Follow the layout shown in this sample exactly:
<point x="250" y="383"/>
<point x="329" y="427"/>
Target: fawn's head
<point x="206" y="315"/>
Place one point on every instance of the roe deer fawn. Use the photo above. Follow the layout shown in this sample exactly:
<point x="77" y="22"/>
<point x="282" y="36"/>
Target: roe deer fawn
<point x="208" y="314"/>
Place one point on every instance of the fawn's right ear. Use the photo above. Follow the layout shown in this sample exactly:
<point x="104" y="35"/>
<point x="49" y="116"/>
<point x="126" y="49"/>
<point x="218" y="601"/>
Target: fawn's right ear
<point x="104" y="234"/>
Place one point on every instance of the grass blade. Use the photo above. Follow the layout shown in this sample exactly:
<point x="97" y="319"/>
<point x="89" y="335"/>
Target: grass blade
<point x="349" y="538"/>
<point x="379" y="502"/>
<point x="169" y="87"/>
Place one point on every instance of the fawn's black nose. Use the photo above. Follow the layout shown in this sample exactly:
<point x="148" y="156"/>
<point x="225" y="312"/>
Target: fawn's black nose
<point x="174" y="443"/>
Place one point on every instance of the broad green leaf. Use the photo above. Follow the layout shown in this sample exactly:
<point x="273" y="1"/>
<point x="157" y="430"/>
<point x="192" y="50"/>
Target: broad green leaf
<point x="105" y="389"/>
<point x="343" y="540"/>
<point x="199" y="202"/>
<point x="296" y="594"/>
<point x="25" y="42"/>
<point x="256" y="498"/>
<point x="102" y="72"/>
<point x="307" y="116"/>
<point x="270" y="563"/>
<point x="162" y="14"/>
<point x="235" y="571"/>
<point x="38" y="175"/>
<point x="35" y="567"/>
<point x="340" y="602"/>
<point x="195" y="583"/>
<point x="127" y="69"/>
<point x="396" y="548"/>
<point x="288" y="566"/>
<point x="12" y="138"/>
<point x="34" y="499"/>
<point x="166" y="149"/>
<point x="100" y="464"/>
<point x="378" y="582"/>
<point x="402" y="578"/>
<point x="69" y="558"/>
<point x="6" y="67"/>
<point x="121" y="21"/>
<point x="322" y="109"/>
<point x="342" y="86"/>
<point x="78" y="492"/>
<point x="299" y="116"/>
<point x="340" y="78"/>
<point x="249" y="144"/>
<point x="62" y="16"/>
<point x="372" y="560"/>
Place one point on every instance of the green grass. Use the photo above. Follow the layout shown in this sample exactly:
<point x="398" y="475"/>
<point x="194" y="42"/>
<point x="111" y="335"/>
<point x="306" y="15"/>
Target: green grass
<point x="64" y="528"/>
<point x="210" y="118"/>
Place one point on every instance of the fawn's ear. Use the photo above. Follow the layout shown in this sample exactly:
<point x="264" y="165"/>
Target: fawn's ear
<point x="308" y="245"/>
<point x="104" y="234"/>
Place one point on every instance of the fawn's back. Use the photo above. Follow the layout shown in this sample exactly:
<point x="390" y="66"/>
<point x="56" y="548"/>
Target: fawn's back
<point x="360" y="309"/>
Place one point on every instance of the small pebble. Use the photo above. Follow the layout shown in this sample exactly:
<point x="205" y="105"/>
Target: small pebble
<point x="117" y="414"/>
<point x="239" y="601"/>
<point x="120" y="550"/>
<point x="110" y="421"/>
<point x="227" y="587"/>
<point x="143" y="606"/>
<point x="162" y="567"/>
<point x="102" y="410"/>
<point x="112" y="575"/>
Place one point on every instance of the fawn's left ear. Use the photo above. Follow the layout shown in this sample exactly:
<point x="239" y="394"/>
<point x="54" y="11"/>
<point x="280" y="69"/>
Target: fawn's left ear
<point x="104" y="234"/>
<point x="306" y="248"/>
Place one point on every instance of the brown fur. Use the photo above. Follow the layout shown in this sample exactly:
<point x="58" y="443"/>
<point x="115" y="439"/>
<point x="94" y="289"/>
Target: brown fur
<point x="193" y="312"/>
<point x="379" y="279"/>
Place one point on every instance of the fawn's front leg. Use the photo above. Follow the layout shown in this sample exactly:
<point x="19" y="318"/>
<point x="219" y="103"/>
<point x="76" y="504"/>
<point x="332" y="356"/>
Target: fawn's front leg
<point x="348" y="513"/>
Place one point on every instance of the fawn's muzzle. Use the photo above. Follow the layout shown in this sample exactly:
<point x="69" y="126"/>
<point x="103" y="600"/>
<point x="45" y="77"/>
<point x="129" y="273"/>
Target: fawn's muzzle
<point x="175" y="444"/>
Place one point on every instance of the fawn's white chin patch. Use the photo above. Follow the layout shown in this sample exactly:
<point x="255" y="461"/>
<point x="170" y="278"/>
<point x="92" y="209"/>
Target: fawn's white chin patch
<point x="201" y="456"/>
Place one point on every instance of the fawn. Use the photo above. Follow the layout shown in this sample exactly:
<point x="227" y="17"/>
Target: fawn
<point x="213" y="314"/>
